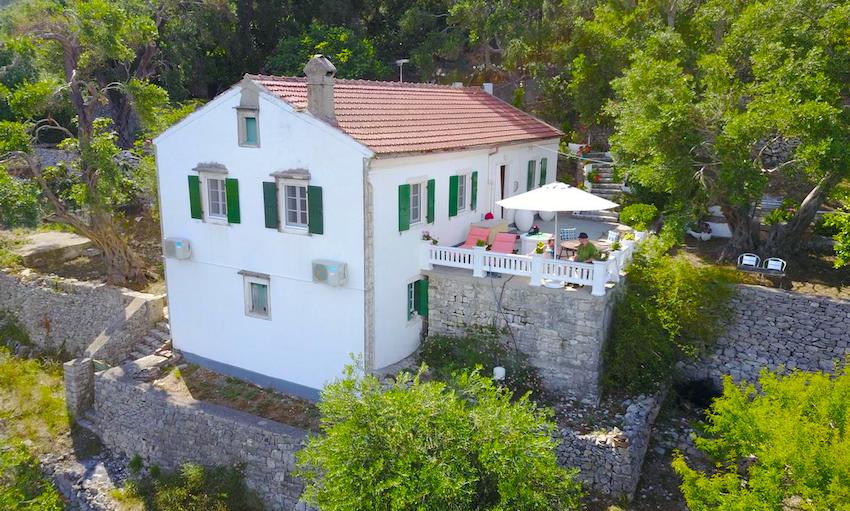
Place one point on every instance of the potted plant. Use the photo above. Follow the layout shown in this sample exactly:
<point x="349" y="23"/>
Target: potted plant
<point x="535" y="229"/>
<point x="426" y="236"/>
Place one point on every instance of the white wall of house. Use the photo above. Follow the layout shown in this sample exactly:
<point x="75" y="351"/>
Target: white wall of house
<point x="397" y="253"/>
<point x="313" y="327"/>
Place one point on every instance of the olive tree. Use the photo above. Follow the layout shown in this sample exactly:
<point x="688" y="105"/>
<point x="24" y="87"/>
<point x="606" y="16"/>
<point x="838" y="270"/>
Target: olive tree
<point x="104" y="53"/>
<point x="465" y="445"/>
<point x="698" y="117"/>
<point x="784" y="446"/>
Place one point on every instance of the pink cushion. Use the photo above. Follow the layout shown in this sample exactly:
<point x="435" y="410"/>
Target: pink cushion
<point x="475" y="234"/>
<point x="504" y="243"/>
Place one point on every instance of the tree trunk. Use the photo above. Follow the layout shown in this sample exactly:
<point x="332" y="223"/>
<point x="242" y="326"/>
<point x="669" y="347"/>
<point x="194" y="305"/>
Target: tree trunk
<point x="124" y="267"/>
<point x="744" y="236"/>
<point x="784" y="239"/>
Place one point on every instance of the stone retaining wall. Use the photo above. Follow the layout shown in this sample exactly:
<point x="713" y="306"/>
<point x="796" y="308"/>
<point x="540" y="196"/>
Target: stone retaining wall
<point x="610" y="461"/>
<point x="772" y="328"/>
<point x="562" y="331"/>
<point x="133" y="417"/>
<point x="79" y="318"/>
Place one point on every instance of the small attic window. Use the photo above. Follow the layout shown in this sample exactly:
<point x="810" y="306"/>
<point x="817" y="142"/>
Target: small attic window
<point x="250" y="130"/>
<point x="249" y="127"/>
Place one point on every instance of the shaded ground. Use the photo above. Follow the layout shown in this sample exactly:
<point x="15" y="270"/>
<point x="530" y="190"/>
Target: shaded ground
<point x="205" y="385"/>
<point x="807" y="272"/>
<point x="144" y="238"/>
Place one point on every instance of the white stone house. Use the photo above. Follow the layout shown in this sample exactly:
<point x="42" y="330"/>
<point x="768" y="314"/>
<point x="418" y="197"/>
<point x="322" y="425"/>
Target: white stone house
<point x="278" y="175"/>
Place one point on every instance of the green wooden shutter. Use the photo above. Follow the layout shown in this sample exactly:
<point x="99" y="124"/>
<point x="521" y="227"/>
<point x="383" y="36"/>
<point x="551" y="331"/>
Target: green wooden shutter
<point x="315" y="213"/>
<point x="231" y="191"/>
<point x="421" y="297"/>
<point x="473" y="204"/>
<point x="432" y="191"/>
<point x="195" y="197"/>
<point x="270" y="206"/>
<point x="530" y="181"/>
<point x="543" y="163"/>
<point x="453" y="184"/>
<point x="403" y="207"/>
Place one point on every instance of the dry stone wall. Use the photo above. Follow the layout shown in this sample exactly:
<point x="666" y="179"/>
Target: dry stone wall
<point x="561" y="331"/>
<point x="70" y="316"/>
<point x="610" y="460"/>
<point x="770" y="328"/>
<point x="133" y="418"/>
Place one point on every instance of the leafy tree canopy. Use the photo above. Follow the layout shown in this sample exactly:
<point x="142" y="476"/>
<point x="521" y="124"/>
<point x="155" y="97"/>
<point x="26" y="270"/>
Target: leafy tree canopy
<point x="433" y="446"/>
<point x="786" y="446"/>
<point x="354" y="56"/>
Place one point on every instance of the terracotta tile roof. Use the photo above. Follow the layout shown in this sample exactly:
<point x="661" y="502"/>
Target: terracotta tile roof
<point x="393" y="117"/>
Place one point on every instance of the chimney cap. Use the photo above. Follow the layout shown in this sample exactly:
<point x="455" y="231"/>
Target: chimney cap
<point x="319" y="68"/>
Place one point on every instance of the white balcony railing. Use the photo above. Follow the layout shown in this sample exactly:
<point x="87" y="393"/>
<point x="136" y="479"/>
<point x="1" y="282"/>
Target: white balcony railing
<point x="596" y="274"/>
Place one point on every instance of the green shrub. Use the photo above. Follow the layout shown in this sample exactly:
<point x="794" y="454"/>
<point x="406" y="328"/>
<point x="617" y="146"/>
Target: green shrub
<point x="18" y="202"/>
<point x="23" y="487"/>
<point x="783" y="213"/>
<point x="483" y="347"/>
<point x="639" y="216"/>
<point x="785" y="446"/>
<point x="839" y="224"/>
<point x="433" y="446"/>
<point x="193" y="488"/>
<point x="671" y="309"/>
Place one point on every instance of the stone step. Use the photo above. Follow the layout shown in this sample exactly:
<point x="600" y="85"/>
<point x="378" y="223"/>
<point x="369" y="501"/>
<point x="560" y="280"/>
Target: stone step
<point x="164" y="335"/>
<point x="606" y="186"/>
<point x="602" y="216"/>
<point x="136" y="355"/>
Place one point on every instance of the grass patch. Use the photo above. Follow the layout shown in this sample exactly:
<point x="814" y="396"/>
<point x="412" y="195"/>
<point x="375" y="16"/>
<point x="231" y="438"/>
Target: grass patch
<point x="485" y="347"/>
<point x="9" y="241"/>
<point x="22" y="485"/>
<point x="32" y="399"/>
<point x="11" y="332"/>
<point x="192" y="488"/>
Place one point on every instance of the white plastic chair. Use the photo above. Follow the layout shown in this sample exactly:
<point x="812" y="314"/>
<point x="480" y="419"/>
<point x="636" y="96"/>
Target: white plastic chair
<point x="569" y="233"/>
<point x="775" y="264"/>
<point x="749" y="261"/>
<point x="613" y="237"/>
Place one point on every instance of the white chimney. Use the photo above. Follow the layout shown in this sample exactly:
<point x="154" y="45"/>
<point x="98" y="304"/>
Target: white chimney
<point x="488" y="87"/>
<point x="320" y="88"/>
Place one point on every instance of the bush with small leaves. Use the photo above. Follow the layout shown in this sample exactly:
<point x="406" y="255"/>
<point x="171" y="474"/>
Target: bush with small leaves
<point x="464" y="445"/>
<point x="783" y="446"/>
<point x="639" y="216"/>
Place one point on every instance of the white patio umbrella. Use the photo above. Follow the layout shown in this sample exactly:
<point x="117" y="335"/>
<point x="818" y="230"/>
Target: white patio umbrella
<point x="557" y="197"/>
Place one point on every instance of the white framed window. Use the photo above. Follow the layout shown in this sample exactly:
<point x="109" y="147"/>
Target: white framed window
<point x="461" y="191"/>
<point x="249" y="127"/>
<point x="215" y="197"/>
<point x="416" y="191"/>
<point x="257" y="303"/>
<point x="411" y="300"/>
<point x="294" y="200"/>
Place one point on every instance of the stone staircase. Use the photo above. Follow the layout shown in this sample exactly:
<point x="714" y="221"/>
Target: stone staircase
<point x="156" y="342"/>
<point x="606" y="188"/>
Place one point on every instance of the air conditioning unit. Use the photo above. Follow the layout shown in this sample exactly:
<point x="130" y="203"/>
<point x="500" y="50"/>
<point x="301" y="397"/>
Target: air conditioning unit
<point x="177" y="248"/>
<point x="332" y="273"/>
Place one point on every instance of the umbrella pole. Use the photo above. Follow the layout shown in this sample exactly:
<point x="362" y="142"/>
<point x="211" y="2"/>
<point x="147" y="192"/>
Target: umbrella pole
<point x="557" y="254"/>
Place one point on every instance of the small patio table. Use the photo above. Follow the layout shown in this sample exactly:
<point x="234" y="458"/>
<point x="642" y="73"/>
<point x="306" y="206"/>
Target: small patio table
<point x="530" y="241"/>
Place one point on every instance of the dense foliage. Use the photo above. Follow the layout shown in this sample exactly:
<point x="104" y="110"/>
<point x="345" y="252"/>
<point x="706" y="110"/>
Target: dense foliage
<point x="23" y="487"/>
<point x="464" y="445"/>
<point x="747" y="94"/>
<point x="485" y="348"/>
<point x="19" y="205"/>
<point x="783" y="446"/>
<point x="671" y="309"/>
<point x="839" y="224"/>
<point x="639" y="216"/>
<point x="191" y="488"/>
